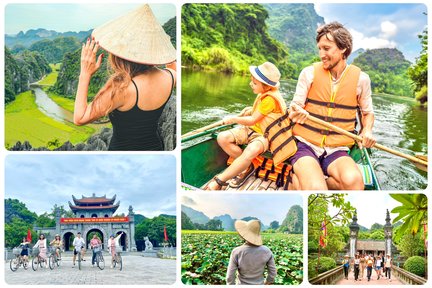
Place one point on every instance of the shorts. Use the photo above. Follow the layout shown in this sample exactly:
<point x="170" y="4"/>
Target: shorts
<point x="244" y="135"/>
<point x="76" y="252"/>
<point x="24" y="252"/>
<point x="324" y="161"/>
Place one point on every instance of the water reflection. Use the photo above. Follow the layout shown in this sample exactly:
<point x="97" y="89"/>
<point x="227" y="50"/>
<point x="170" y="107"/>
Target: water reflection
<point x="50" y="108"/>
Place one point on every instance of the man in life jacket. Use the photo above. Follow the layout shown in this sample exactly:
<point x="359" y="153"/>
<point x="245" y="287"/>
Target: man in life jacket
<point x="330" y="90"/>
<point x="265" y="125"/>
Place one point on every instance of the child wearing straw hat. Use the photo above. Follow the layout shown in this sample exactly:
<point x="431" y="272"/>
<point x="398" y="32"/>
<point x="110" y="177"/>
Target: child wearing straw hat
<point x="136" y="93"/>
<point x="250" y="259"/>
<point x="264" y="125"/>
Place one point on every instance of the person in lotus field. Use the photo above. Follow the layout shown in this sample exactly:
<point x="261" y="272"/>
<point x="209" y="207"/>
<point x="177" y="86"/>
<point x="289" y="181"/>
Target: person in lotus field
<point x="333" y="91"/>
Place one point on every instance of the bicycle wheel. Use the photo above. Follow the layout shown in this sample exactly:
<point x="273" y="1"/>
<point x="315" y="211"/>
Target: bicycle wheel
<point x="100" y="261"/>
<point x="25" y="264"/>
<point x="79" y="260"/>
<point x="51" y="261"/>
<point x="14" y="264"/>
<point x="35" y="263"/>
<point x="120" y="262"/>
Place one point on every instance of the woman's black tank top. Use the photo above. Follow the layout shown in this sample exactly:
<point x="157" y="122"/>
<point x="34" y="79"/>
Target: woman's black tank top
<point x="136" y="129"/>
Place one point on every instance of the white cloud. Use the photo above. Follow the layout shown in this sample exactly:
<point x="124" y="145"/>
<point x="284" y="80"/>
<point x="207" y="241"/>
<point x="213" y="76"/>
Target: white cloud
<point x="388" y="29"/>
<point x="374" y="42"/>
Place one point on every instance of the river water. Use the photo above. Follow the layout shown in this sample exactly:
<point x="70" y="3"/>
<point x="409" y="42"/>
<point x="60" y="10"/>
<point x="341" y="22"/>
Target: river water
<point x="400" y="123"/>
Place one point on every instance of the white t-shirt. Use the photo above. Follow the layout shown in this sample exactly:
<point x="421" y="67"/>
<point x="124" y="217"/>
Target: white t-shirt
<point x="78" y="243"/>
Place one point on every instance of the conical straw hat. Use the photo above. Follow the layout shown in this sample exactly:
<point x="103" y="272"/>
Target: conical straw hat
<point x="250" y="231"/>
<point x="136" y="37"/>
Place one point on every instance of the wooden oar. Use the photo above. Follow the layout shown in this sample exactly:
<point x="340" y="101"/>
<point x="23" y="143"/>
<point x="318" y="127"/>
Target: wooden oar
<point x="420" y="161"/>
<point x="202" y="129"/>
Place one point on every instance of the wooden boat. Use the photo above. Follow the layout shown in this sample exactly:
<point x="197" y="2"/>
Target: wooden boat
<point x="202" y="159"/>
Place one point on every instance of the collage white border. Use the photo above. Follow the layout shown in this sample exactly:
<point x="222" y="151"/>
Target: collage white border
<point x="177" y="151"/>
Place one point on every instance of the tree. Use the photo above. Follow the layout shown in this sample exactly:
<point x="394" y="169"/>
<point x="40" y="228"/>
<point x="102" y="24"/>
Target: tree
<point x="15" y="230"/>
<point x="16" y="209"/>
<point x="418" y="72"/>
<point x="274" y="225"/>
<point x="376" y="226"/>
<point x="413" y="213"/>
<point x="411" y="245"/>
<point x="45" y="220"/>
<point x="377" y="235"/>
<point x="186" y="223"/>
<point x="214" y="225"/>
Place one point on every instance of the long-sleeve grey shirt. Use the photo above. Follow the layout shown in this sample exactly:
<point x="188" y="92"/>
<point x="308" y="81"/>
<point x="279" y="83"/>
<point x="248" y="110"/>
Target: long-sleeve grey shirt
<point x="250" y="261"/>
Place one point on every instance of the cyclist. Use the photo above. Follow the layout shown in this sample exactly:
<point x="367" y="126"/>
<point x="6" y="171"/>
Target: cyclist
<point x="42" y="245"/>
<point x="112" y="243"/>
<point x="94" y="243"/>
<point x="57" y="243"/>
<point x="79" y="245"/>
<point x="25" y="246"/>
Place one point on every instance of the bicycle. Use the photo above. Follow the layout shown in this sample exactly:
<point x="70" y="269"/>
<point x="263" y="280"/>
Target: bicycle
<point x="117" y="258"/>
<point x="100" y="262"/>
<point x="54" y="260"/>
<point x="37" y="260"/>
<point x="16" y="262"/>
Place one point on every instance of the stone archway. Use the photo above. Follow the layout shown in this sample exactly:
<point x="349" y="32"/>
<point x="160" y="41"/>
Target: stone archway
<point x="67" y="240"/>
<point x="95" y="229"/>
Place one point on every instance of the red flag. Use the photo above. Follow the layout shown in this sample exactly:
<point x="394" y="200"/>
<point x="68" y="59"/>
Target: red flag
<point x="165" y="234"/>
<point x="29" y="238"/>
<point x="323" y="235"/>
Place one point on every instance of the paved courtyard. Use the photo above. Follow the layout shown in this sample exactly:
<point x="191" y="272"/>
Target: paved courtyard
<point x="136" y="270"/>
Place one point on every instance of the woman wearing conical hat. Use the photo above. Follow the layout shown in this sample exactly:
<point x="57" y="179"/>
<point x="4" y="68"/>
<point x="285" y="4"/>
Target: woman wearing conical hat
<point x="250" y="259"/>
<point x="138" y="90"/>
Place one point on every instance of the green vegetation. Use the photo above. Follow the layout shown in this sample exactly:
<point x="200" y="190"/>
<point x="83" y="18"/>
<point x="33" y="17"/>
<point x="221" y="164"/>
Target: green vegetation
<point x="25" y="122"/>
<point x="53" y="50"/>
<point x="419" y="71"/>
<point x="387" y="69"/>
<point x="293" y="222"/>
<point x="229" y="38"/>
<point x="411" y="245"/>
<point x="22" y="69"/>
<point x="18" y="219"/>
<point x="51" y="78"/>
<point x="170" y="28"/>
<point x="205" y="256"/>
<point x="295" y="25"/>
<point x="325" y="264"/>
<point x="65" y="103"/>
<point x="416" y="265"/>
<point x="154" y="229"/>
<point x="413" y="213"/>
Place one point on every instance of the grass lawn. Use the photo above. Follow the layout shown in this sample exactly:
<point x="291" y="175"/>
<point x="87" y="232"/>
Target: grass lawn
<point x="65" y="103"/>
<point x="24" y="122"/>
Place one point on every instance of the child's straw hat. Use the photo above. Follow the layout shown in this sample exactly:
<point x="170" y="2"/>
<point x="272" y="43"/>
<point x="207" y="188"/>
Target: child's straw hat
<point x="266" y="73"/>
<point x="136" y="37"/>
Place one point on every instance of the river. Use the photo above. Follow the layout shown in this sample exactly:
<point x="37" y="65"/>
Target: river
<point x="400" y="123"/>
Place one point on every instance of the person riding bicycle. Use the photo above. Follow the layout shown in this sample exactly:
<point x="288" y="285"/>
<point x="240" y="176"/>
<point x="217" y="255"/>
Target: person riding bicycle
<point x="112" y="243"/>
<point x="24" y="249"/>
<point x="95" y="242"/>
<point x="79" y="245"/>
<point x="42" y="245"/>
<point x="57" y="243"/>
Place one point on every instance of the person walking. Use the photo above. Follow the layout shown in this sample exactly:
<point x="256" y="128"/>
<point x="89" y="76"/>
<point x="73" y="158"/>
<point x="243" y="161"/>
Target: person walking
<point x="369" y="266"/>
<point x="346" y="266"/>
<point x="356" y="267"/>
<point x="249" y="261"/>
<point x="362" y="266"/>
<point x="388" y="266"/>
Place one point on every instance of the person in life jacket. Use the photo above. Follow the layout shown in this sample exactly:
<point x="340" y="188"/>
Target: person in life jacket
<point x="330" y="90"/>
<point x="264" y="125"/>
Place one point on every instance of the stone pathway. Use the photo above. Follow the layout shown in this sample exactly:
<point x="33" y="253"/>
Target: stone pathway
<point x="373" y="281"/>
<point x="136" y="270"/>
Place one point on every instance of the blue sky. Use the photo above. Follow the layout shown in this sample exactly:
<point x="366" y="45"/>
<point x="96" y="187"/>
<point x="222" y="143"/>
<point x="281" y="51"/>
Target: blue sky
<point x="266" y="207"/>
<point x="72" y="17"/>
<point x="147" y="182"/>
<point x="382" y="25"/>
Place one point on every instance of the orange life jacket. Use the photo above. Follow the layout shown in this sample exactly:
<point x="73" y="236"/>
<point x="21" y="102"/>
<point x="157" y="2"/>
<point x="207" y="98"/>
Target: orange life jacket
<point x="277" y="128"/>
<point x="337" y="107"/>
